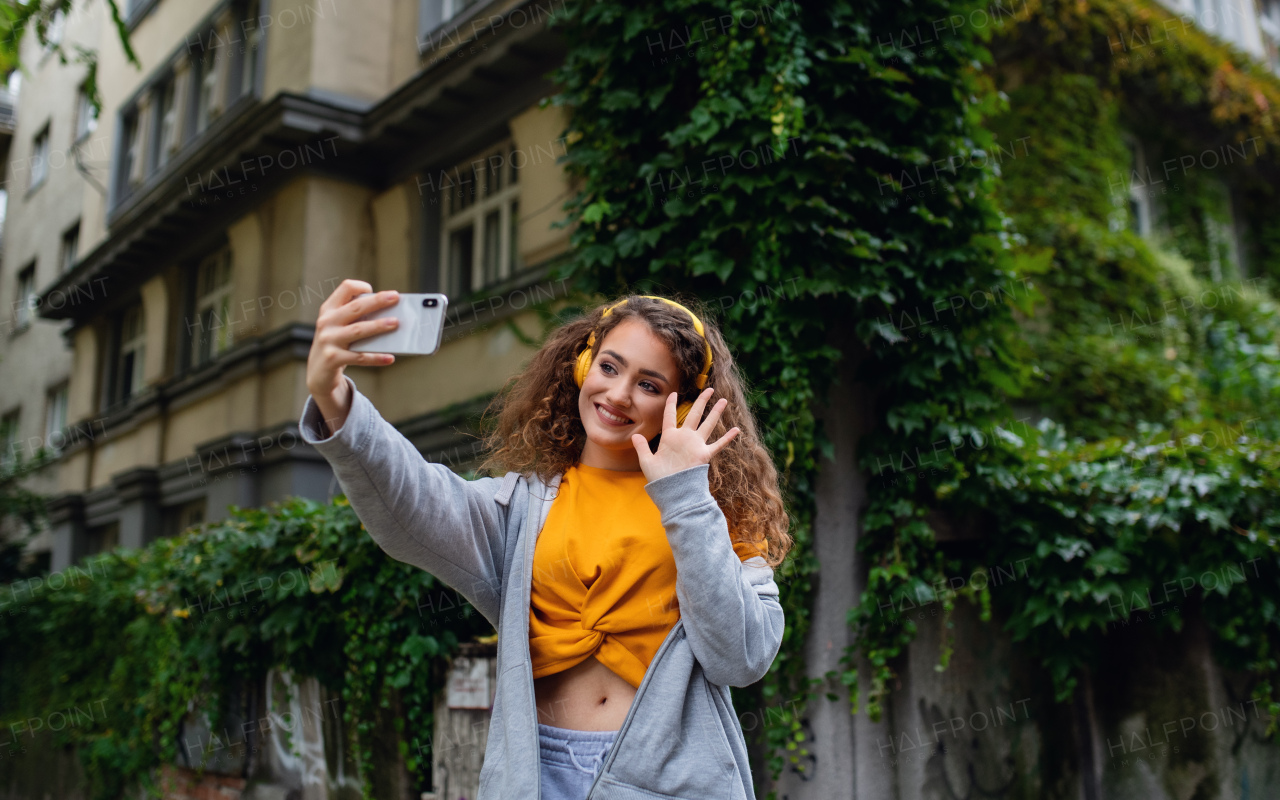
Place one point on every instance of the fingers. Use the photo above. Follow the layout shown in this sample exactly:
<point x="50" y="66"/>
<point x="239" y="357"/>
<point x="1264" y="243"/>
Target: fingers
<point x="669" y="413"/>
<point x="345" y="357"/>
<point x="346" y="290"/>
<point x="709" y="424"/>
<point x="346" y="334"/>
<point x="695" y="413"/>
<point x="359" y="307"/>
<point x="641" y="445"/>
<point x="719" y="444"/>
<point x="338" y="324"/>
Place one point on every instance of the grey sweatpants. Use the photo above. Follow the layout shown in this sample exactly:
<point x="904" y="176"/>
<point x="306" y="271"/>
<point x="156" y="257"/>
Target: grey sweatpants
<point x="570" y="760"/>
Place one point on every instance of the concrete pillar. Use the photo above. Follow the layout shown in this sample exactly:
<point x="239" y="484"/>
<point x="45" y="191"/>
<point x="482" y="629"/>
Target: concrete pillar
<point x="232" y="475"/>
<point x="66" y="522"/>
<point x="840" y="742"/>
<point x="139" y="493"/>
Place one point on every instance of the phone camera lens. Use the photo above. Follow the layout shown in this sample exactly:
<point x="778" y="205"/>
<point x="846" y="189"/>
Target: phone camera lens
<point x="430" y="302"/>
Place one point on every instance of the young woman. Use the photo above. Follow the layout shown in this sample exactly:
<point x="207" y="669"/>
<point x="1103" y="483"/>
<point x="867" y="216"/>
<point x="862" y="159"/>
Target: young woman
<point x="625" y="556"/>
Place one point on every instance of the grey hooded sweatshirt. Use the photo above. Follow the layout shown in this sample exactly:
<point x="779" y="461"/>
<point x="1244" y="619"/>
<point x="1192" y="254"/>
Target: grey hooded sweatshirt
<point x="681" y="737"/>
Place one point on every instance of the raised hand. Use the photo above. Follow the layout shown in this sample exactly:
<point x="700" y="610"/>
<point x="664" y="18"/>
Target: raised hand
<point x="338" y="324"/>
<point x="684" y="446"/>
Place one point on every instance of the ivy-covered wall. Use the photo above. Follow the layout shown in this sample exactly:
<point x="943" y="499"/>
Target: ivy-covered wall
<point x="1133" y="480"/>
<point x="124" y="648"/>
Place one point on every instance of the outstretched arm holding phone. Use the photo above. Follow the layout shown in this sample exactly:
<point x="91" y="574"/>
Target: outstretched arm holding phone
<point x="418" y="512"/>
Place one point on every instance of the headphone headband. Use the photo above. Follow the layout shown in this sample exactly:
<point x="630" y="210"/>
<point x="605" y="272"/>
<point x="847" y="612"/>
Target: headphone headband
<point x="701" y="380"/>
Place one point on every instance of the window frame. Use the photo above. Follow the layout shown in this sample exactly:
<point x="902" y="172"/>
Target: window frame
<point x="1222" y="236"/>
<point x="206" y="76"/>
<point x="135" y="346"/>
<point x="165" y="121"/>
<point x="101" y="539"/>
<point x="1140" y="201"/>
<point x="254" y="38"/>
<point x="206" y="297"/>
<point x="70" y="246"/>
<point x="26" y="290"/>
<point x="10" y="424"/>
<point x="55" y="415"/>
<point x="197" y="106"/>
<point x="128" y="147"/>
<point x="177" y="518"/>
<point x="42" y="137"/>
<point x="436" y="16"/>
<point x="84" y="111"/>
<point x="472" y="202"/>
<point x="1269" y="32"/>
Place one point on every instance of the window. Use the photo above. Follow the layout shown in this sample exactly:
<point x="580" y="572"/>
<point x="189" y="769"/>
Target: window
<point x="102" y="538"/>
<point x="40" y="158"/>
<point x="70" y="247"/>
<point x="252" y="47"/>
<point x="207" y="77"/>
<point x="211" y="329"/>
<point x="55" y="420"/>
<point x="167" y="122"/>
<point x="131" y="354"/>
<point x="130" y="174"/>
<point x="1269" y="25"/>
<point x="1222" y="17"/>
<point x="434" y="13"/>
<point x="480" y="208"/>
<point x="86" y="114"/>
<point x="1141" y="211"/>
<point x="177" y="519"/>
<point x="9" y="439"/>
<point x="188" y="93"/>
<point x="1220" y="234"/>
<point x="26" y="295"/>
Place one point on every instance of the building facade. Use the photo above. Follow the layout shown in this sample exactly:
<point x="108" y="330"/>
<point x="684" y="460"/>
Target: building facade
<point x="174" y="251"/>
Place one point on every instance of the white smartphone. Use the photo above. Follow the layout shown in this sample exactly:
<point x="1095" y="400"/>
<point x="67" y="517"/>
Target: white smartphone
<point x="419" y="332"/>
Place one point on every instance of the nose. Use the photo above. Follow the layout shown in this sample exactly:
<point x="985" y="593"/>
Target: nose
<point x="619" y="396"/>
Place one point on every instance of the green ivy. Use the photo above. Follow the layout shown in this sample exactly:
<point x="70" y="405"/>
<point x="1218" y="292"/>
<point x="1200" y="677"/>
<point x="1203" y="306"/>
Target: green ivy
<point x="193" y="615"/>
<point x="807" y="249"/>
<point x="1155" y="460"/>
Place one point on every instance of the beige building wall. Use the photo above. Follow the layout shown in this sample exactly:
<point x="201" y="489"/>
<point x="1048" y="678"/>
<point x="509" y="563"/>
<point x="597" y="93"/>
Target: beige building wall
<point x="291" y="44"/>
<point x="154" y="40"/>
<point x="38" y="358"/>
<point x="539" y="137"/>
<point x="289" y="249"/>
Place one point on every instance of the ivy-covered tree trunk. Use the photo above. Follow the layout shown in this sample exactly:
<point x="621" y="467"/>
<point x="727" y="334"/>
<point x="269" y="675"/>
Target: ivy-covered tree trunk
<point x="794" y="165"/>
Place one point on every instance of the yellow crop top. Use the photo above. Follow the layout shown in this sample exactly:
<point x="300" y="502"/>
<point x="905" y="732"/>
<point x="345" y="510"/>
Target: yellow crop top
<point x="604" y="576"/>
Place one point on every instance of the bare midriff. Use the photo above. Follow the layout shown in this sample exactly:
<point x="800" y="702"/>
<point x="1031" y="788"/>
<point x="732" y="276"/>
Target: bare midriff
<point x="586" y="697"/>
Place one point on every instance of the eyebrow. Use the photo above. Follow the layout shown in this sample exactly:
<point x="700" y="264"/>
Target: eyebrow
<point x="643" y="371"/>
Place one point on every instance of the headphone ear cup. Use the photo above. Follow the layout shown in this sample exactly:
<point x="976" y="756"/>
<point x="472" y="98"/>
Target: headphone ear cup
<point x="582" y="367"/>
<point x="682" y="411"/>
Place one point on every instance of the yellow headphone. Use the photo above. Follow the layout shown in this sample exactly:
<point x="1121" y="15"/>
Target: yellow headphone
<point x="583" y="365"/>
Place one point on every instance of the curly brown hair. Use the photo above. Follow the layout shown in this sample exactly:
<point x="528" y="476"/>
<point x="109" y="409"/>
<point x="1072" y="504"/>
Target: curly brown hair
<point x="539" y="430"/>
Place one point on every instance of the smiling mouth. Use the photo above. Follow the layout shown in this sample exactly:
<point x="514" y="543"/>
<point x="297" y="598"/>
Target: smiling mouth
<point x="610" y="417"/>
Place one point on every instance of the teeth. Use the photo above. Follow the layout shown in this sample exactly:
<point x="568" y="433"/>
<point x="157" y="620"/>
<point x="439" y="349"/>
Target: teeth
<point x="613" y="417"/>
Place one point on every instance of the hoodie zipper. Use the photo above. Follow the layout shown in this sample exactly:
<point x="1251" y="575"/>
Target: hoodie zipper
<point x="644" y="682"/>
<point x="626" y="722"/>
